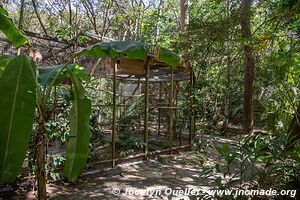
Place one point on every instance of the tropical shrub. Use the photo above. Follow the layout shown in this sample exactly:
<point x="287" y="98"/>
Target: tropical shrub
<point x="258" y="162"/>
<point x="25" y="89"/>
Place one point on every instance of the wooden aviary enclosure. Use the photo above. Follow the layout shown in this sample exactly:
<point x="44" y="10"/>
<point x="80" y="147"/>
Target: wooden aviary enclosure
<point x="158" y="72"/>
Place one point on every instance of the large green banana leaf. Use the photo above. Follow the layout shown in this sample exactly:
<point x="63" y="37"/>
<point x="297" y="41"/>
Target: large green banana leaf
<point x="7" y="26"/>
<point x="95" y="51"/>
<point x="115" y="49"/>
<point x="167" y="56"/>
<point x="77" y="149"/>
<point x="17" y="106"/>
<point x="48" y="74"/>
<point x="4" y="60"/>
<point x="131" y="50"/>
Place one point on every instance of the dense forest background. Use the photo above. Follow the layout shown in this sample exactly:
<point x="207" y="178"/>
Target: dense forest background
<point x="215" y="43"/>
<point x="245" y="63"/>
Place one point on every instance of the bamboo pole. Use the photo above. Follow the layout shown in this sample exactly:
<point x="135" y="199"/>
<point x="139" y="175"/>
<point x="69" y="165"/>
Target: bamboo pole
<point x="176" y="112"/>
<point x="119" y="107"/>
<point x="170" y="127"/>
<point x="191" y="110"/>
<point x="159" y="109"/>
<point x="146" y="113"/>
<point x="122" y="106"/>
<point x="113" y="142"/>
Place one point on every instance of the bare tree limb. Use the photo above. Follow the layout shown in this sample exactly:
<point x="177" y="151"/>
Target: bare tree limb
<point x="38" y="16"/>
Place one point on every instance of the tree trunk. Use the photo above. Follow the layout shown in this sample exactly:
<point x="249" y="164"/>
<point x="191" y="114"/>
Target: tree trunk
<point x="70" y="18"/>
<point x="184" y="20"/>
<point x="227" y="95"/>
<point x="40" y="158"/>
<point x="21" y="18"/>
<point x="137" y="22"/>
<point x="159" y="11"/>
<point x="294" y="128"/>
<point x="249" y="74"/>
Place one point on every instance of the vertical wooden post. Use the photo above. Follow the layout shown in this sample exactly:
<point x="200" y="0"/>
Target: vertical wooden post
<point x="171" y="97"/>
<point x="159" y="109"/>
<point x="101" y="97"/>
<point x="140" y="113"/>
<point x="113" y="142"/>
<point x="146" y="113"/>
<point x="191" y="110"/>
<point x="177" y="86"/>
<point x="124" y="107"/>
<point x="119" y="107"/>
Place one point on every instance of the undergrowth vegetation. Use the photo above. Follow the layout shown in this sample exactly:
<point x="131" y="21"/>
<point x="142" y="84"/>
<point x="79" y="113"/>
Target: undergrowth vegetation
<point x="253" y="162"/>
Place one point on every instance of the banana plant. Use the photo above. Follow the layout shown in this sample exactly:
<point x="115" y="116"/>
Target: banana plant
<point x="25" y="91"/>
<point x="77" y="149"/>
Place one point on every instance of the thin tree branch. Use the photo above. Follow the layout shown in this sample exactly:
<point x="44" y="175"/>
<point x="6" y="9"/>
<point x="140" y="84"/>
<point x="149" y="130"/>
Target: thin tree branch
<point x="38" y="16"/>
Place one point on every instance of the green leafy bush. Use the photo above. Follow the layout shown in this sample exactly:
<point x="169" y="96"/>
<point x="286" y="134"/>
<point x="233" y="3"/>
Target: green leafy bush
<point x="258" y="162"/>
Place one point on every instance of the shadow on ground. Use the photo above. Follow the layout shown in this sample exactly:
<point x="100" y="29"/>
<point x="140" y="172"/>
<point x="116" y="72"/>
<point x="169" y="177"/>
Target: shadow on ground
<point x="182" y="172"/>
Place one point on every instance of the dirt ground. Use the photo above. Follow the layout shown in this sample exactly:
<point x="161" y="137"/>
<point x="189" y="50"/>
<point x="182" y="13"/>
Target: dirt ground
<point x="143" y="175"/>
<point x="177" y="172"/>
<point x="180" y="172"/>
